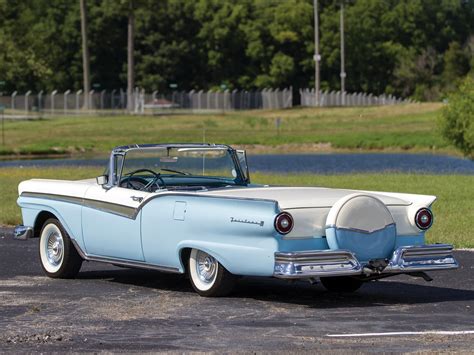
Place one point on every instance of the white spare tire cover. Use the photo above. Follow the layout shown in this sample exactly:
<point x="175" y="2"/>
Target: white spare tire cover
<point x="362" y="224"/>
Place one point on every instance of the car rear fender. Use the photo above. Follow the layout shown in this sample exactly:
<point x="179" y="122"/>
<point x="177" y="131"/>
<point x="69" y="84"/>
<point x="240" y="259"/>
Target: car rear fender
<point x="237" y="259"/>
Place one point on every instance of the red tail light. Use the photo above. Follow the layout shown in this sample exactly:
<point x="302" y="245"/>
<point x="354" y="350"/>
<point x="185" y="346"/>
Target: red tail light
<point x="284" y="223"/>
<point x="424" y="218"/>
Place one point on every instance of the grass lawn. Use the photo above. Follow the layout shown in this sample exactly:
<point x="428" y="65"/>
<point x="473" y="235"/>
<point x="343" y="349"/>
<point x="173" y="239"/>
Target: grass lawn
<point x="454" y="210"/>
<point x="410" y="127"/>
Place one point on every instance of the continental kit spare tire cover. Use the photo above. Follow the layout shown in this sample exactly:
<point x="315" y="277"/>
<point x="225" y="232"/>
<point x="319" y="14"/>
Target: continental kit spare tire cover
<point x="362" y="224"/>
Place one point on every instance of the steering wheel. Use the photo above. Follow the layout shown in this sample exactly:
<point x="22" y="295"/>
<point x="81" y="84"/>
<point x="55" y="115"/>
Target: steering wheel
<point x="142" y="184"/>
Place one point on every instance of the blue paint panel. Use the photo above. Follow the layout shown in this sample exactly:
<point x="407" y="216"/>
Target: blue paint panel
<point x="302" y="244"/>
<point x="365" y="246"/>
<point x="69" y="214"/>
<point x="407" y="240"/>
<point x="29" y="215"/>
<point x="243" y="248"/>
<point x="157" y="236"/>
<point x="107" y="234"/>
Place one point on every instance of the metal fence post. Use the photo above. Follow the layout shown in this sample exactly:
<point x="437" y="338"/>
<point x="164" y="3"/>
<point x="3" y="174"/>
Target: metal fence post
<point x="40" y="99"/>
<point x="190" y="97"/>
<point x="135" y="100"/>
<point x="122" y="99"/>
<point x="216" y="99"/>
<point x="66" y="93"/>
<point x="226" y="99"/>
<point x="112" y="99"/>
<point x="13" y="99"/>
<point x="27" y="95"/>
<point x="102" y="94"/>
<point x="91" y="96"/>
<point x="142" y="101"/>
<point x="208" y="99"/>
<point x="199" y="99"/>
<point x="78" y="96"/>
<point x="52" y="100"/>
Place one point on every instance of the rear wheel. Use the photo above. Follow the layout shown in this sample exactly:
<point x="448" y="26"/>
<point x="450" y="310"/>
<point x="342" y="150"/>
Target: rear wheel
<point x="58" y="256"/>
<point x="341" y="283"/>
<point x="208" y="277"/>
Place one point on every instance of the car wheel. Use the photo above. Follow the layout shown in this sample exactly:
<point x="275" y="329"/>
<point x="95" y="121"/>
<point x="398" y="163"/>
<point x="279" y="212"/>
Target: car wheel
<point x="208" y="277"/>
<point x="341" y="283"/>
<point x="58" y="256"/>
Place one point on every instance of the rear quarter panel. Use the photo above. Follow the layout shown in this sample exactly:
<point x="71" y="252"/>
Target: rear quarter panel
<point x="174" y="222"/>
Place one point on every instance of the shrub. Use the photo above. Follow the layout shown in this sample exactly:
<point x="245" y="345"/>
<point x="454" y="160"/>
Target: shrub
<point x="457" y="123"/>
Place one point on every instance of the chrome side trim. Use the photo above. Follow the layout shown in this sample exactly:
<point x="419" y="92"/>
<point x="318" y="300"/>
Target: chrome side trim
<point x="127" y="211"/>
<point x="315" y="263"/>
<point x="22" y="233"/>
<point x="120" y="210"/>
<point x="320" y="263"/>
<point x="122" y="262"/>
<point x="360" y="230"/>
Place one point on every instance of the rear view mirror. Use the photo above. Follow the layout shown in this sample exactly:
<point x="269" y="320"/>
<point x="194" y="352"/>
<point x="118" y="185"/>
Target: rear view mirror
<point x="102" y="180"/>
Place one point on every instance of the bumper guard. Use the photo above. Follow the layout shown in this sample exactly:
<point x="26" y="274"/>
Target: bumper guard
<point x="22" y="232"/>
<point x="317" y="263"/>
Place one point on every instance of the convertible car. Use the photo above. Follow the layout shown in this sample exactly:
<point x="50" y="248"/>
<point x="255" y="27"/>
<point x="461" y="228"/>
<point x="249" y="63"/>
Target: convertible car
<point x="191" y="208"/>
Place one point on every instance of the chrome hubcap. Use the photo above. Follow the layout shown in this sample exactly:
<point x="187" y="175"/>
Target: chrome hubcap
<point x="206" y="267"/>
<point x="55" y="249"/>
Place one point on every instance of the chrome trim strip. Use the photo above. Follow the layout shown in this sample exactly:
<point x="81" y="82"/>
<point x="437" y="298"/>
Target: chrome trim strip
<point x="120" y="210"/>
<point x="286" y="237"/>
<point x="122" y="262"/>
<point x="407" y="259"/>
<point x="126" y="211"/>
<point x="22" y="232"/>
<point x="359" y="230"/>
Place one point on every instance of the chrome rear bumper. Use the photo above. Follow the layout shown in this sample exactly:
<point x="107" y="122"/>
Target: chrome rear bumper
<point x="317" y="263"/>
<point x="22" y="232"/>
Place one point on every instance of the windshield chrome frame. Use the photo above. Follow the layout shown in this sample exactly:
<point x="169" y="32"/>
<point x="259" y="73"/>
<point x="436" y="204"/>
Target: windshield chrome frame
<point x="123" y="150"/>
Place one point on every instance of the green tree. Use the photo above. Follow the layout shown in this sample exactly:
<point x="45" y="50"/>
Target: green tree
<point x="456" y="63"/>
<point x="279" y="43"/>
<point x="457" y="123"/>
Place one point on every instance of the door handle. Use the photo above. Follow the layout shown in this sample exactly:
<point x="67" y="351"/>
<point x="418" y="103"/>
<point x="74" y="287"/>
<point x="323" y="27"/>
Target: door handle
<point x="136" y="198"/>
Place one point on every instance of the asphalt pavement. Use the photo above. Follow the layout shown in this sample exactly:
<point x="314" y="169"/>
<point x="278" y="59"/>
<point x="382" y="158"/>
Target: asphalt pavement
<point x="111" y="309"/>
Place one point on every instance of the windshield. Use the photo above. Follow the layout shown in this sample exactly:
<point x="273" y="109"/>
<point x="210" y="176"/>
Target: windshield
<point x="178" y="163"/>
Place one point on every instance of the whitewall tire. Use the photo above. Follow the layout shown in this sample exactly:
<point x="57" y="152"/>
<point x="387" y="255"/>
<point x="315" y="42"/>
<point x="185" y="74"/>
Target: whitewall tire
<point x="208" y="277"/>
<point x="59" y="258"/>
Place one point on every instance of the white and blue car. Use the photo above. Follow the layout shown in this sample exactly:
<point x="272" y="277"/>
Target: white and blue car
<point x="191" y="208"/>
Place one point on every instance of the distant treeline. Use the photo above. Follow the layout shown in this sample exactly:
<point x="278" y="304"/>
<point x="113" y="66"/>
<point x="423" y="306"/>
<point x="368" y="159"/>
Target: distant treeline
<point x="407" y="48"/>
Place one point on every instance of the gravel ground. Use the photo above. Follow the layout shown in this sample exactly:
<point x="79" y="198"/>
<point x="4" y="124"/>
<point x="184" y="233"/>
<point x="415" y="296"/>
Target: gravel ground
<point x="110" y="309"/>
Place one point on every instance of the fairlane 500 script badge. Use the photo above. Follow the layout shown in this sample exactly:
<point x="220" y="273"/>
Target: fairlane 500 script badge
<point x="237" y="220"/>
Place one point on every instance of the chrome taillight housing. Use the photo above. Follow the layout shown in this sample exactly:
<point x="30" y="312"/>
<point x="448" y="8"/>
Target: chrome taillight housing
<point x="424" y="218"/>
<point x="283" y="223"/>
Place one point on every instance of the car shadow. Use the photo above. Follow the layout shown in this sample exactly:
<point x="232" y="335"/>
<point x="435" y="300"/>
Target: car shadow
<point x="379" y="293"/>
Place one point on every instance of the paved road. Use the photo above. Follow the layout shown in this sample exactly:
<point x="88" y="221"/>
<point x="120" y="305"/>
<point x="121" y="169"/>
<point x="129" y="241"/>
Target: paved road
<point x="113" y="309"/>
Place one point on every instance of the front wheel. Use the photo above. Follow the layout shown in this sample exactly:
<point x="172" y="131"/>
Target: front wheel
<point x="58" y="256"/>
<point x="341" y="283"/>
<point x="208" y="277"/>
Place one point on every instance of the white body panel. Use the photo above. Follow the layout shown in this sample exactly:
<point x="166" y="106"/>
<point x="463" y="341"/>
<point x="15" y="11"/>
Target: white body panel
<point x="309" y="205"/>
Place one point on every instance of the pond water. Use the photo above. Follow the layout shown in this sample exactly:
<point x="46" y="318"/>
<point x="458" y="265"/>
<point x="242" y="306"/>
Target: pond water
<point x="367" y="162"/>
<point x="312" y="163"/>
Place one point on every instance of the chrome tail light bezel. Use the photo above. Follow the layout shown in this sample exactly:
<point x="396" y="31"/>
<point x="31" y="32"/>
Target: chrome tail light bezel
<point x="279" y="221"/>
<point x="418" y="218"/>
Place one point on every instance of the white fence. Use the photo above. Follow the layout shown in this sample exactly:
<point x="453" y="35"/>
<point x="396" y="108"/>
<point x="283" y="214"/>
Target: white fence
<point x="336" y="98"/>
<point x="115" y="101"/>
<point x="143" y="102"/>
